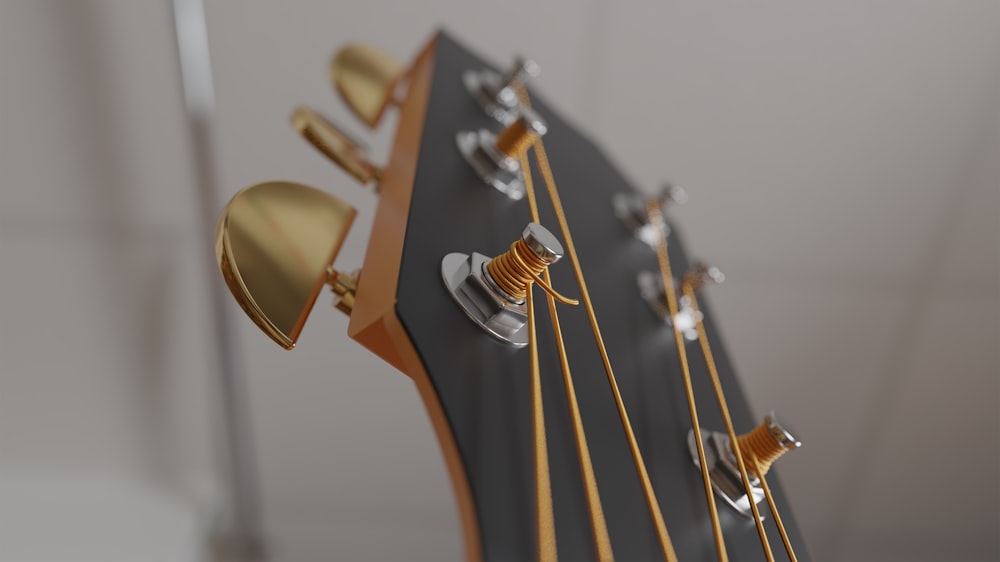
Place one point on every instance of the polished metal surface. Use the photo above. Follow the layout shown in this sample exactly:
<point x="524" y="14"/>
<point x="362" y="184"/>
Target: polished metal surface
<point x="367" y="79"/>
<point x="543" y="243"/>
<point x="493" y="166"/>
<point x="724" y="471"/>
<point x="651" y="288"/>
<point x="496" y="93"/>
<point x="335" y="144"/>
<point x="466" y="279"/>
<point x="496" y="311"/>
<point x="723" y="466"/>
<point x="631" y="209"/>
<point x="275" y="243"/>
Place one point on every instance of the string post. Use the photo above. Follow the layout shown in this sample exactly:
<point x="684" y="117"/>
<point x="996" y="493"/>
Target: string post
<point x="634" y="212"/>
<point x="765" y="444"/>
<point x="518" y="137"/>
<point x="496" y="159"/>
<point x="497" y="93"/>
<point x="701" y="274"/>
<point x="493" y="291"/>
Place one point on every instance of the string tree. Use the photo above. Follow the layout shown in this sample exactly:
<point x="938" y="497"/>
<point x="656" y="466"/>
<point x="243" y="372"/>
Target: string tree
<point x="344" y="150"/>
<point x="492" y="291"/>
<point x="497" y="93"/>
<point x="275" y="244"/>
<point x="632" y="210"/>
<point x="758" y="448"/>
<point x="367" y="79"/>
<point x="652" y="291"/>
<point x="496" y="158"/>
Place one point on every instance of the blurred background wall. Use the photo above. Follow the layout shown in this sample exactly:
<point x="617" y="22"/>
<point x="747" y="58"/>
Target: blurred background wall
<point x="843" y="162"/>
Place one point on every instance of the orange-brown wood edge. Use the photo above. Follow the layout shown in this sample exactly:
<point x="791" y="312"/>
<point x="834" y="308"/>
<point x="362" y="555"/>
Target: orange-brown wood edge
<point x="374" y="322"/>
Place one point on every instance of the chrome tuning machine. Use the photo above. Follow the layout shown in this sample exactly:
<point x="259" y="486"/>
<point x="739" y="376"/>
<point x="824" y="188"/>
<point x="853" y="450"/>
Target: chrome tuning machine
<point x="497" y="93"/>
<point x="633" y="210"/>
<point x="758" y="448"/>
<point x="496" y="158"/>
<point x="486" y="293"/>
<point x="652" y="291"/>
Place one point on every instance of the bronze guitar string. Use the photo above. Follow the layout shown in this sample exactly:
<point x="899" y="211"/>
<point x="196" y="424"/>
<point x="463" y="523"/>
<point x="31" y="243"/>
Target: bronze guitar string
<point x="720" y="397"/>
<point x="751" y="443"/>
<point x="654" y="507"/>
<point x="545" y="518"/>
<point x="598" y="525"/>
<point x="662" y="255"/>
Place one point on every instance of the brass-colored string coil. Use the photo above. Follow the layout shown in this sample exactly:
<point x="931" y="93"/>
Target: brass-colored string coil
<point x="762" y="446"/>
<point x="516" y="139"/>
<point x="515" y="270"/>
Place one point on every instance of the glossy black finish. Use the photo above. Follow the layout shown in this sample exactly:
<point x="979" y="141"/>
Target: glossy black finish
<point x="483" y="384"/>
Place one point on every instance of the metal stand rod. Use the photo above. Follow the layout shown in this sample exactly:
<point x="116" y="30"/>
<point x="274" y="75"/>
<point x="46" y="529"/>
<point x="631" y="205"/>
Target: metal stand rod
<point x="239" y="536"/>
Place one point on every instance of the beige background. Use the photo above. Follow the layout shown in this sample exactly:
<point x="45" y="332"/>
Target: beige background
<point x="844" y="167"/>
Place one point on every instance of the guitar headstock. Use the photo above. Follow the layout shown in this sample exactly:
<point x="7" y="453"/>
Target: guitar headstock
<point x="461" y="183"/>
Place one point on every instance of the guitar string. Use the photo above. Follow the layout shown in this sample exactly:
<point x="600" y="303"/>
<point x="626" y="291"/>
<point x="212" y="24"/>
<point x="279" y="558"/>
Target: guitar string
<point x="545" y="519"/>
<point x="654" y="507"/>
<point x="663" y="256"/>
<point x="774" y="511"/>
<point x="720" y="397"/>
<point x="714" y="374"/>
<point x="602" y="541"/>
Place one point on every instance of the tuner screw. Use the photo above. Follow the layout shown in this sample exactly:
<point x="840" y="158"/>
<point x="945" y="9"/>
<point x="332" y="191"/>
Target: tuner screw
<point x="651" y="290"/>
<point x="492" y="292"/>
<point x="632" y="210"/>
<point x="496" y="158"/>
<point x="701" y="274"/>
<point x="497" y="93"/>
<point x="764" y="444"/>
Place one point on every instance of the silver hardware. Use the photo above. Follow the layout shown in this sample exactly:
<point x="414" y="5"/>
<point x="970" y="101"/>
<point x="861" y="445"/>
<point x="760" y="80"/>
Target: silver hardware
<point x="723" y="468"/>
<point x="496" y="168"/>
<point x="470" y="284"/>
<point x="631" y="209"/>
<point x="651" y="289"/>
<point x="496" y="93"/>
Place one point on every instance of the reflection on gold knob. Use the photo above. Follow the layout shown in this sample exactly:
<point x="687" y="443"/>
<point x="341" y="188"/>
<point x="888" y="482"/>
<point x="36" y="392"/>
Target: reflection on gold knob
<point x="335" y="144"/>
<point x="766" y="443"/>
<point x="275" y="243"/>
<point x="366" y="78"/>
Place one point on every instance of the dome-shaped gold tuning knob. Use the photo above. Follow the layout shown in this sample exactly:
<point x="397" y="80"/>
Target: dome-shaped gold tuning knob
<point x="366" y="78"/>
<point x="765" y="444"/>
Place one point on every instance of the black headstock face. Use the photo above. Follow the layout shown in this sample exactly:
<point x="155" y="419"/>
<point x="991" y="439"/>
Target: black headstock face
<point x="483" y="384"/>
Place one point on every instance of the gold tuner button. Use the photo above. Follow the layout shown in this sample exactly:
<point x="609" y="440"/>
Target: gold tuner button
<point x="633" y="210"/>
<point x="497" y="93"/>
<point x="758" y="448"/>
<point x="275" y="243"/>
<point x="367" y="79"/>
<point x="497" y="158"/>
<point x="765" y="444"/>
<point x="335" y="144"/>
<point x="492" y="291"/>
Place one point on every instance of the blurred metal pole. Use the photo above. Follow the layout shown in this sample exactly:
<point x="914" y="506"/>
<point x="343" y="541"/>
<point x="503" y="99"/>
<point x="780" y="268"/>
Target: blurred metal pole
<point x="239" y="534"/>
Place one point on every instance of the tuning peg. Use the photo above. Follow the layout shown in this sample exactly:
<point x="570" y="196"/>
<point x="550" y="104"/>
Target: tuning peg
<point x="496" y="93"/>
<point x="758" y="448"/>
<point x="490" y="293"/>
<point x="496" y="158"/>
<point x="701" y="274"/>
<point x="633" y="210"/>
<point x="275" y="244"/>
<point x="367" y="79"/>
<point x="651" y="290"/>
<point x="336" y="144"/>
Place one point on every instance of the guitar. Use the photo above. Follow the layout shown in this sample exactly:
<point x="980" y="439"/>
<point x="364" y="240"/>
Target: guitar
<point x="475" y="279"/>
